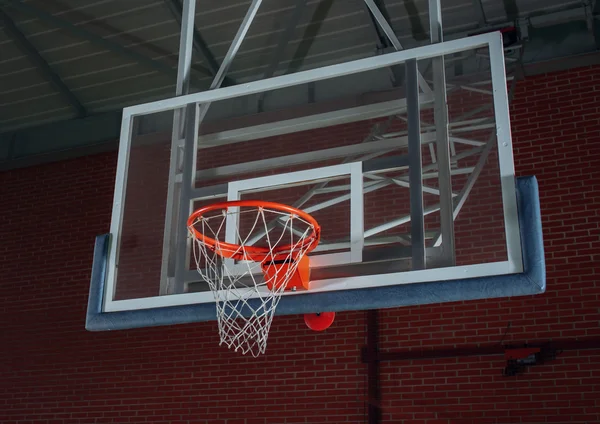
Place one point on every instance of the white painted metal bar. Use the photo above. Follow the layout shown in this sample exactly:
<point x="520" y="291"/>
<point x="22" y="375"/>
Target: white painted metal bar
<point x="473" y="128"/>
<point x="444" y="145"/>
<point x="454" y="126"/>
<point x="326" y="247"/>
<point x="337" y="200"/>
<point x="461" y="140"/>
<point x="479" y="166"/>
<point x="459" y="171"/>
<point x="172" y="232"/>
<point x="397" y="222"/>
<point x="311" y="156"/>
<point x="357" y="229"/>
<point x="475" y="90"/>
<point x="455" y="158"/>
<point x="318" y="74"/>
<point x="405" y="184"/>
<point x="183" y="242"/>
<point x="432" y="153"/>
<point x="346" y="187"/>
<point x="466" y="190"/>
<point x="417" y="228"/>
<point x="186" y="47"/>
<point x="118" y="207"/>
<point x="505" y="155"/>
<point x="310" y="122"/>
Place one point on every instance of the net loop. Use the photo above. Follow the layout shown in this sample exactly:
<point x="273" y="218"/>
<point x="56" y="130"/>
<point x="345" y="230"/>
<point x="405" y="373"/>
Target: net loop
<point x="248" y="252"/>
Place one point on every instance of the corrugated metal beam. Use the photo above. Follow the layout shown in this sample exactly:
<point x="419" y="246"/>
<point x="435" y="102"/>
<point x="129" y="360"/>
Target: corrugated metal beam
<point x="199" y="44"/>
<point x="417" y="216"/>
<point x="93" y="38"/>
<point x="29" y="49"/>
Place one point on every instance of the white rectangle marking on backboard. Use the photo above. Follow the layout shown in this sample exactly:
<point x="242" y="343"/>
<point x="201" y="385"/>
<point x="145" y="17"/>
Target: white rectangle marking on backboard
<point x="353" y="169"/>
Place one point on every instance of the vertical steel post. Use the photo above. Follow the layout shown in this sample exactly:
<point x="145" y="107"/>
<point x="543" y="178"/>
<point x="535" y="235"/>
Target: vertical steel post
<point x="188" y="177"/>
<point x="442" y="138"/>
<point x="415" y="174"/>
<point x="373" y="372"/>
<point x="194" y="114"/>
<point x="179" y="139"/>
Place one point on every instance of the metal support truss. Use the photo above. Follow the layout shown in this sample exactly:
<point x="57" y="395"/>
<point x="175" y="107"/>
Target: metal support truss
<point x="443" y="142"/>
<point x="415" y="171"/>
<point x="29" y="49"/>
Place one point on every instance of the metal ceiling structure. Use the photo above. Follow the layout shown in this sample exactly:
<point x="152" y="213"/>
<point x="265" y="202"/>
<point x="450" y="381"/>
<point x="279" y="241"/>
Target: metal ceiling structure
<point x="68" y="67"/>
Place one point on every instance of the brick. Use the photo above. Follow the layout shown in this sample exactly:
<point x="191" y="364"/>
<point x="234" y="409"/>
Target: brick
<point x="54" y="371"/>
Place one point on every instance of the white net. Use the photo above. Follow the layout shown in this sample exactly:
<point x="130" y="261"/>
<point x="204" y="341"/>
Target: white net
<point x="231" y="245"/>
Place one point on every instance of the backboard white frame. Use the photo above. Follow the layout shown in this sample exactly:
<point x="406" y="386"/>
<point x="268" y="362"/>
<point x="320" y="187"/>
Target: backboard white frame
<point x="514" y="263"/>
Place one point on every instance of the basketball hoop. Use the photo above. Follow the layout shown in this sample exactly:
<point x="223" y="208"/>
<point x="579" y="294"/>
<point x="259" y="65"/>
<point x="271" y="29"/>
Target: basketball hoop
<point x="261" y="258"/>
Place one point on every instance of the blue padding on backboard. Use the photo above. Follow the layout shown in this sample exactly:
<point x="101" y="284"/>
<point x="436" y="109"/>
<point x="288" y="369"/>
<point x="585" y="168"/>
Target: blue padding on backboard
<point x="531" y="281"/>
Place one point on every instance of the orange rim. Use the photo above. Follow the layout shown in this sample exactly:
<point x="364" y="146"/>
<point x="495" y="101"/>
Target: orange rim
<point x="254" y="253"/>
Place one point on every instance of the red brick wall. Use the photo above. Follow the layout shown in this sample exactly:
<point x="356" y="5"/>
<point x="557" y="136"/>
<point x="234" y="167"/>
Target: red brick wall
<point x="53" y="371"/>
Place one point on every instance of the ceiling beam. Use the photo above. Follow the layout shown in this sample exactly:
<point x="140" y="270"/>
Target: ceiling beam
<point x="42" y="65"/>
<point x="93" y="38"/>
<point x="199" y="43"/>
